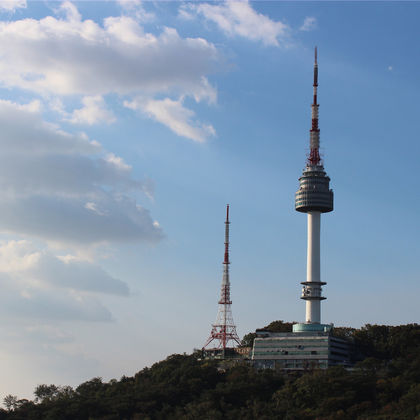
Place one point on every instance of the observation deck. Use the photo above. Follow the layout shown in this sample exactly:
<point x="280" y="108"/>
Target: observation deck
<point x="312" y="290"/>
<point x="314" y="192"/>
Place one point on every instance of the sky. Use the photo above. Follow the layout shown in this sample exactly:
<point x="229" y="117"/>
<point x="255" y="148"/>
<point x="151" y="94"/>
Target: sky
<point x="125" y="129"/>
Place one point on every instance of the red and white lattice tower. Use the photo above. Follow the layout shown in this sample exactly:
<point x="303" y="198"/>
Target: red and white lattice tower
<point x="224" y="330"/>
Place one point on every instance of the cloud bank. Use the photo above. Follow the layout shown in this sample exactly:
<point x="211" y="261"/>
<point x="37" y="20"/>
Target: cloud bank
<point x="65" y="188"/>
<point x="38" y="285"/>
<point x="34" y="267"/>
<point x="67" y="56"/>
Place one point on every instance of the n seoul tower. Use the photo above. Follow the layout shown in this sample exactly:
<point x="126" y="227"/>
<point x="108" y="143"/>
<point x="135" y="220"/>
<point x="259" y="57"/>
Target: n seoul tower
<point x="313" y="198"/>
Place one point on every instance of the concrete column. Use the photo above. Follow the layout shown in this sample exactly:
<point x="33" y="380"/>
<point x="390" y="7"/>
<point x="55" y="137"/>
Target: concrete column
<point x="313" y="267"/>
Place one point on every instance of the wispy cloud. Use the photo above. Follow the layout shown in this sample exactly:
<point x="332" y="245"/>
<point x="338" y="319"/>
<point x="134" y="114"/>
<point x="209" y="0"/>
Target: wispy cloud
<point x="12" y="5"/>
<point x="174" y="115"/>
<point x="136" y="8"/>
<point x="94" y="111"/>
<point x="309" y="24"/>
<point x="238" y="18"/>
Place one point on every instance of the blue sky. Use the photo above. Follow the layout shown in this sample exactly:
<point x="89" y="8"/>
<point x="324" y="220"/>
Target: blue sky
<point x="126" y="128"/>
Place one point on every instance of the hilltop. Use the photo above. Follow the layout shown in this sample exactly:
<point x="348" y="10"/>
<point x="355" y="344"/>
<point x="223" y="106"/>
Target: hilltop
<point x="386" y="385"/>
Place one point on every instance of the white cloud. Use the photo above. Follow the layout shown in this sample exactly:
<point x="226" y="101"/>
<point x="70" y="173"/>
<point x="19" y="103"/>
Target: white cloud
<point x="73" y="56"/>
<point x="47" y="176"/>
<point x="240" y="19"/>
<point x="90" y="205"/>
<point x="68" y="221"/>
<point x="37" y="285"/>
<point x="174" y="115"/>
<point x="93" y="112"/>
<point x="23" y="129"/>
<point x="77" y="276"/>
<point x="309" y="24"/>
<point x="66" y="56"/>
<point x="17" y="256"/>
<point x="185" y="13"/>
<point x="32" y="269"/>
<point x="118" y="162"/>
<point x="136" y="8"/>
<point x="45" y="304"/>
<point x="129" y="4"/>
<point x="56" y="104"/>
<point x="11" y="5"/>
<point x="70" y="11"/>
<point x="390" y="68"/>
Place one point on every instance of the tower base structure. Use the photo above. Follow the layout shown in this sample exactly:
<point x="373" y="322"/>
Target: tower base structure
<point x="304" y="348"/>
<point x="228" y="353"/>
<point x="301" y="328"/>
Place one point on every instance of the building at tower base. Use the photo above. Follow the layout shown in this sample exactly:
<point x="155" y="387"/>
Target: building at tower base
<point x="300" y="350"/>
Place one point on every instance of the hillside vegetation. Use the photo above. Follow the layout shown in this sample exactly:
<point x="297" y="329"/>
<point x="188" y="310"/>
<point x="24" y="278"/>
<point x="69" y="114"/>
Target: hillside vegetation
<point x="386" y="385"/>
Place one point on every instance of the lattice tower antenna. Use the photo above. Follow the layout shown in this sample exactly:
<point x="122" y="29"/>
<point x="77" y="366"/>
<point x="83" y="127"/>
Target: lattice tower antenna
<point x="224" y="329"/>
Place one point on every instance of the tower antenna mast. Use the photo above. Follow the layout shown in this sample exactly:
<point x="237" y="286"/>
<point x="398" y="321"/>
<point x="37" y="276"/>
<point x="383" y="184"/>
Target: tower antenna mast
<point x="224" y="329"/>
<point x="314" y="157"/>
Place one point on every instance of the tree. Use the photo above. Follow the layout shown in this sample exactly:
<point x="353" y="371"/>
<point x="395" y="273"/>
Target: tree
<point x="279" y="326"/>
<point x="346" y="333"/>
<point x="275" y="326"/>
<point x="248" y="340"/>
<point x="45" y="392"/>
<point x="11" y="402"/>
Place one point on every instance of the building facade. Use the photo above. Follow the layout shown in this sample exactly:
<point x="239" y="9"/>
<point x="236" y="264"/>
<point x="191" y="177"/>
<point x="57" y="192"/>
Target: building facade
<point x="300" y="351"/>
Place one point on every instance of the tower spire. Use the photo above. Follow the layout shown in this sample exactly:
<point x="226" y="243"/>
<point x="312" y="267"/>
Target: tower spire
<point x="314" y="157"/>
<point x="224" y="330"/>
<point x="226" y="260"/>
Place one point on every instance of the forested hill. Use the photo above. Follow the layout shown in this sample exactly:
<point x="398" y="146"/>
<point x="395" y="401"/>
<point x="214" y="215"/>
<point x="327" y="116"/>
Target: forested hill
<point x="386" y="385"/>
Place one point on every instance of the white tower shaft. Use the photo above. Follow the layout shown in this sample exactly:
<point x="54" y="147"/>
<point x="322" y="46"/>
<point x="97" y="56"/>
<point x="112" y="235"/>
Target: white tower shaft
<point x="313" y="267"/>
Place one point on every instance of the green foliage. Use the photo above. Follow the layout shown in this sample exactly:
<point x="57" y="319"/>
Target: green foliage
<point x="44" y="392"/>
<point x="279" y="326"/>
<point x="345" y="333"/>
<point x="248" y="340"/>
<point x="275" y="326"/>
<point x="386" y="385"/>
